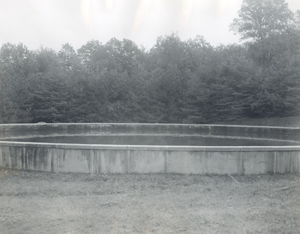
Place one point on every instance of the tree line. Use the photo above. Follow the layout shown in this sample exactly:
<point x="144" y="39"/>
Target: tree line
<point x="175" y="81"/>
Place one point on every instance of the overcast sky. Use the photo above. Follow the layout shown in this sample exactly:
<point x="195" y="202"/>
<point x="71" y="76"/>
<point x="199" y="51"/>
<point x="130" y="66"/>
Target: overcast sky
<point x="51" y="23"/>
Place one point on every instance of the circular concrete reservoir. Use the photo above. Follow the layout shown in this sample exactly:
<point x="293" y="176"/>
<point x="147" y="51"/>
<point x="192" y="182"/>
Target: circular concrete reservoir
<point x="150" y="148"/>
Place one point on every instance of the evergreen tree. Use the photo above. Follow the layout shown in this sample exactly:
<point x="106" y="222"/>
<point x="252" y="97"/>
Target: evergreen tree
<point x="49" y="89"/>
<point x="17" y="69"/>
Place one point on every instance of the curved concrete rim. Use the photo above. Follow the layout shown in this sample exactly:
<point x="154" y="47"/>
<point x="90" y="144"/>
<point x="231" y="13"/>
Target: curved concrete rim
<point x="152" y="147"/>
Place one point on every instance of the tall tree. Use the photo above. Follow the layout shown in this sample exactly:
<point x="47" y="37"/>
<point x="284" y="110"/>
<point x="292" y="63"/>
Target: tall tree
<point x="270" y="30"/>
<point x="259" y="21"/>
<point x="50" y="94"/>
<point x="202" y="70"/>
<point x="168" y="74"/>
<point x="17" y="69"/>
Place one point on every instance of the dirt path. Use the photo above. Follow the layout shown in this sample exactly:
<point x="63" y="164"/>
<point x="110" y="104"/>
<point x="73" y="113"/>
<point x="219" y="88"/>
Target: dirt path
<point x="33" y="202"/>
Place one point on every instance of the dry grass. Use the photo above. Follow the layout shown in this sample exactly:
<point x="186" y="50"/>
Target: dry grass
<point x="33" y="202"/>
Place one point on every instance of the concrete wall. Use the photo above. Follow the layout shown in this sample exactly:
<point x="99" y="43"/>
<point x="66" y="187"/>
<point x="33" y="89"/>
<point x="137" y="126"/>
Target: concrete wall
<point x="149" y="159"/>
<point x="81" y="158"/>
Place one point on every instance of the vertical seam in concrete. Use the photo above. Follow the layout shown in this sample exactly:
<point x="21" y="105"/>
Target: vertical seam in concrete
<point x="57" y="163"/>
<point x="23" y="155"/>
<point x="127" y="159"/>
<point x="99" y="162"/>
<point x="102" y="170"/>
<point x="241" y="170"/>
<point x="205" y="163"/>
<point x="1" y="156"/>
<point x="166" y="160"/>
<point x="295" y="162"/>
<point x="52" y="160"/>
<point x="34" y="158"/>
<point x="91" y="161"/>
<point x="25" y="158"/>
<point x="240" y="167"/>
<point x="297" y="169"/>
<point x="95" y="162"/>
<point x="99" y="158"/>
<point x="8" y="157"/>
<point x="291" y="169"/>
<point x="275" y="162"/>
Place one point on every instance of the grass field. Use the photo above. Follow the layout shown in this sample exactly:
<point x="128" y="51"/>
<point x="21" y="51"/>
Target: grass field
<point x="36" y="202"/>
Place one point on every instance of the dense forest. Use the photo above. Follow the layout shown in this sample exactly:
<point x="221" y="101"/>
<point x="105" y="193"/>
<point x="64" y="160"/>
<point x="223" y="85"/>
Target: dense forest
<point x="173" y="82"/>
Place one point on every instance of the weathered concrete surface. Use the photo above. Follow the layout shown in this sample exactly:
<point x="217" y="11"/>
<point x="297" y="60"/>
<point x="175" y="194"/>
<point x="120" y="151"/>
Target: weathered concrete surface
<point x="85" y="158"/>
<point x="149" y="159"/>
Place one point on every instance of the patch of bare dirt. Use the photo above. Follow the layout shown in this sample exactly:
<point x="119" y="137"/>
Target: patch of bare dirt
<point x="36" y="202"/>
